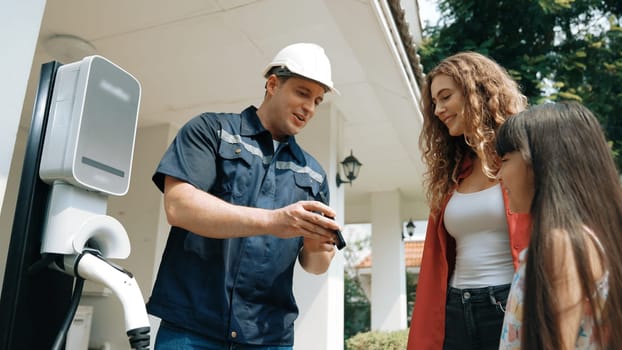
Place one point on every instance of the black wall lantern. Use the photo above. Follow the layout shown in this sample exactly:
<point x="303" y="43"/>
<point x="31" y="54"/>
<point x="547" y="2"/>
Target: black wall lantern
<point x="351" y="167"/>
<point x="410" y="229"/>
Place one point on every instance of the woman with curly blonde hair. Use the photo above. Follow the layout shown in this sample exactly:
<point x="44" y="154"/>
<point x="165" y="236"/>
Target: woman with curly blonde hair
<point x="472" y="240"/>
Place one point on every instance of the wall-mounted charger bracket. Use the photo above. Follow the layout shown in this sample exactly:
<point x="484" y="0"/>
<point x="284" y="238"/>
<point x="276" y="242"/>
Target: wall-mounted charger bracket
<point x="76" y="220"/>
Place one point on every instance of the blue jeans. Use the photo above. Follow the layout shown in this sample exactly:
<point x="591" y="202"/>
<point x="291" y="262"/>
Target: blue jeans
<point x="474" y="317"/>
<point x="171" y="337"/>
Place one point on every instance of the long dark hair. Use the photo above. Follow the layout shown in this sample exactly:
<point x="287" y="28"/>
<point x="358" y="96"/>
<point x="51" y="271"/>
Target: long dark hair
<point x="576" y="186"/>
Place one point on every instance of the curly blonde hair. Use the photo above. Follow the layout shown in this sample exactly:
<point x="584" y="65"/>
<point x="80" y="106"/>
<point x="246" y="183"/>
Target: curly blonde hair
<point x="490" y="96"/>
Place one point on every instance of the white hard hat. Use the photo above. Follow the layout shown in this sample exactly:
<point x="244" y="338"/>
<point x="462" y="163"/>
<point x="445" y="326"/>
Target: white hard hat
<point x="305" y="60"/>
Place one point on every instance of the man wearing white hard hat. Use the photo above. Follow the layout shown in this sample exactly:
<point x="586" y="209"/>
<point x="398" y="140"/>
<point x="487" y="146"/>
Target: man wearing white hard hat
<point x="244" y="201"/>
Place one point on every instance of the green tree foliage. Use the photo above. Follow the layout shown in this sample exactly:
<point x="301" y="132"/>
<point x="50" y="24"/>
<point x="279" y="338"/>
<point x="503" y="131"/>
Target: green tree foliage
<point x="357" y="309"/>
<point x="411" y="291"/>
<point x="556" y="49"/>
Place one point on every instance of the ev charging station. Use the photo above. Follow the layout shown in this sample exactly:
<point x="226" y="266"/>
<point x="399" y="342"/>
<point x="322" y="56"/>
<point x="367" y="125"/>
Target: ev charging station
<point x="80" y="150"/>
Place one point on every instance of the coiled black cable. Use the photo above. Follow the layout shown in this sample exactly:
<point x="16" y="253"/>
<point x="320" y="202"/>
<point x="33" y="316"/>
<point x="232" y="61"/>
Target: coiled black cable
<point x="59" y="342"/>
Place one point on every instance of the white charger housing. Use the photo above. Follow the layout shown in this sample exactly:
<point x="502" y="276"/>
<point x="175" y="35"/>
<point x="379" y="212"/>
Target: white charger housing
<point x="91" y="128"/>
<point x="87" y="155"/>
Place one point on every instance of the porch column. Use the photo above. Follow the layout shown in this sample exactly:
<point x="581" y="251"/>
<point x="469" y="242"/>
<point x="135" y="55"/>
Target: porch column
<point x="320" y="298"/>
<point x="388" y="273"/>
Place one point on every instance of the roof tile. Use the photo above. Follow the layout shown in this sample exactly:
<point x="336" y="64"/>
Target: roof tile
<point x="413" y="250"/>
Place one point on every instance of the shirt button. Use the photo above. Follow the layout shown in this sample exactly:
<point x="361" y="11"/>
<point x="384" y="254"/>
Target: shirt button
<point x="238" y="150"/>
<point x="467" y="295"/>
<point x="234" y="334"/>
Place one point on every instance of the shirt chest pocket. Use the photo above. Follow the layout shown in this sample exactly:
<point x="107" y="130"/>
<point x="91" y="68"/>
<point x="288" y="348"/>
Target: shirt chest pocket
<point x="235" y="170"/>
<point x="306" y="187"/>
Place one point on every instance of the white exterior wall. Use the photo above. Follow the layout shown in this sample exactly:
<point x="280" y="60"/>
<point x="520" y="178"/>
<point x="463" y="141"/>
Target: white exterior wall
<point x="10" y="198"/>
<point x="19" y="28"/>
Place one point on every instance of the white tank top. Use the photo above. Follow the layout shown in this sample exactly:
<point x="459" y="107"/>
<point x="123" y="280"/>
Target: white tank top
<point x="478" y="223"/>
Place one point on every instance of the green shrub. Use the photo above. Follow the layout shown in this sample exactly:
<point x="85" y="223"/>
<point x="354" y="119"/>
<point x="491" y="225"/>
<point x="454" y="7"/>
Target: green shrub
<point x="376" y="340"/>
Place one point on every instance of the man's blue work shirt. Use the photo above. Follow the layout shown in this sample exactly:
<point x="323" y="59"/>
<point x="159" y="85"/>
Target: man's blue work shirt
<point x="237" y="289"/>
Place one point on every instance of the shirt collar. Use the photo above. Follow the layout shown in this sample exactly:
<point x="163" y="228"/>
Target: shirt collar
<point x="250" y="123"/>
<point x="251" y="126"/>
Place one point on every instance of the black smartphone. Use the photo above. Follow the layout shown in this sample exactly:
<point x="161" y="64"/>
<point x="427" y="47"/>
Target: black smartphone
<point x="340" y="242"/>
